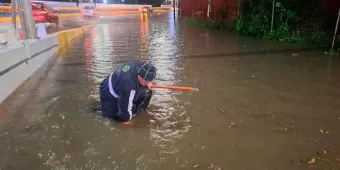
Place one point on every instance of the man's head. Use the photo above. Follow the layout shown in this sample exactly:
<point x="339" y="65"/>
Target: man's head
<point x="146" y="73"/>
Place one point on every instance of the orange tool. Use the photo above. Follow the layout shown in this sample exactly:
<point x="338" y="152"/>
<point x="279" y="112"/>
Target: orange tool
<point x="174" y="87"/>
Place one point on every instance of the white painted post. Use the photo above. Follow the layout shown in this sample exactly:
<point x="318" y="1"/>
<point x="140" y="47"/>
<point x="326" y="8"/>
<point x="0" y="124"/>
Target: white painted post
<point x="336" y="29"/>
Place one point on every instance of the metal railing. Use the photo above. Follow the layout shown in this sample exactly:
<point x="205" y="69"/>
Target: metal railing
<point x="27" y="24"/>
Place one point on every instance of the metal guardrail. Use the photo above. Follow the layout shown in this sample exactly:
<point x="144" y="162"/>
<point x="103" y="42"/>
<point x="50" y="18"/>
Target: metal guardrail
<point x="11" y="35"/>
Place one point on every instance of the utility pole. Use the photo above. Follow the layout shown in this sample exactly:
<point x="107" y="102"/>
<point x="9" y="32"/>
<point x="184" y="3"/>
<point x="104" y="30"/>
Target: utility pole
<point x="336" y="30"/>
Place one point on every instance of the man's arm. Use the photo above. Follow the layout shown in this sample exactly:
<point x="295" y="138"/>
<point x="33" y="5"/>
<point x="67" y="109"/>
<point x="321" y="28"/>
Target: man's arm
<point x="125" y="104"/>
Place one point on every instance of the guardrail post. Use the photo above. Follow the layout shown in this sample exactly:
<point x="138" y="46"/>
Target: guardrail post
<point x="26" y="18"/>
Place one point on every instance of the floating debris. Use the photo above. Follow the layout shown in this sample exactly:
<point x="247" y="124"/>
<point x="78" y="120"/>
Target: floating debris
<point x="40" y="155"/>
<point x="182" y="166"/>
<point x="211" y="166"/>
<point x="139" y="158"/>
<point x="324" y="131"/>
<point x="311" y="161"/>
<point x="196" y="166"/>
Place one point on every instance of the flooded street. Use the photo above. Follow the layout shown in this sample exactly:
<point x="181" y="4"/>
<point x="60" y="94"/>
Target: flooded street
<point x="261" y="105"/>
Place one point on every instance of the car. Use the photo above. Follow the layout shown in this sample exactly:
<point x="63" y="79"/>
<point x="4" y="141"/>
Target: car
<point x="42" y="13"/>
<point x="89" y="11"/>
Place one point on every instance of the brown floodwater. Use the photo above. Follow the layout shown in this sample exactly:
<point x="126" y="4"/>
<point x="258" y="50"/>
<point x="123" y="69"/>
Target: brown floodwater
<point x="260" y="105"/>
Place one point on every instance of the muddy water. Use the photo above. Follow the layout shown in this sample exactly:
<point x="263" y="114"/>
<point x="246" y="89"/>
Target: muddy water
<point x="260" y="105"/>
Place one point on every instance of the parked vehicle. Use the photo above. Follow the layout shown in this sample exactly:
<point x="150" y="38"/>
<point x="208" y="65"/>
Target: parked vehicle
<point x="89" y="11"/>
<point x="42" y="13"/>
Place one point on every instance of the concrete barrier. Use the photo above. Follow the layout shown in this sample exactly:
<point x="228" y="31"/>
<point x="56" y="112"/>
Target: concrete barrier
<point x="18" y="63"/>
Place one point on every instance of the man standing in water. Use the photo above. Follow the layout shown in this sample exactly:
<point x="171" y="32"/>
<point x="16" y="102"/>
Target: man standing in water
<point x="127" y="90"/>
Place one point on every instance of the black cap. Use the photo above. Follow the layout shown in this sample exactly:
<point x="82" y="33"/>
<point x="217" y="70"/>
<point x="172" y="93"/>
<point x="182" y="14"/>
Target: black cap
<point x="147" y="71"/>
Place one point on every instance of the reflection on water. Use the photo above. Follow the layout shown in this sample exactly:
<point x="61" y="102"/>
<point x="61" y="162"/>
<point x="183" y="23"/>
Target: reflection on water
<point x="170" y="120"/>
<point x="144" y="36"/>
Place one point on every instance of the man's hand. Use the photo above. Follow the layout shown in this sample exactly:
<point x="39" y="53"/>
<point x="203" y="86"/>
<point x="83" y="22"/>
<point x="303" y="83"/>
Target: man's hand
<point x="129" y="123"/>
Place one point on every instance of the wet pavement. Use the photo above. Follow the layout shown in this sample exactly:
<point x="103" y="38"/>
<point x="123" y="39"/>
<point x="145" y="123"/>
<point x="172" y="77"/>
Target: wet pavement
<point x="260" y="105"/>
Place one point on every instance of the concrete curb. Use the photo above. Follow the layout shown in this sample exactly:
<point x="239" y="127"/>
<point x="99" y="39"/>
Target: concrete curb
<point x="66" y="37"/>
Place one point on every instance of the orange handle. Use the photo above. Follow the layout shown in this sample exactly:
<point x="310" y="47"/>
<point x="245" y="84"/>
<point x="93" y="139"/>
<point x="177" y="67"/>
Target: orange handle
<point x="174" y="87"/>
